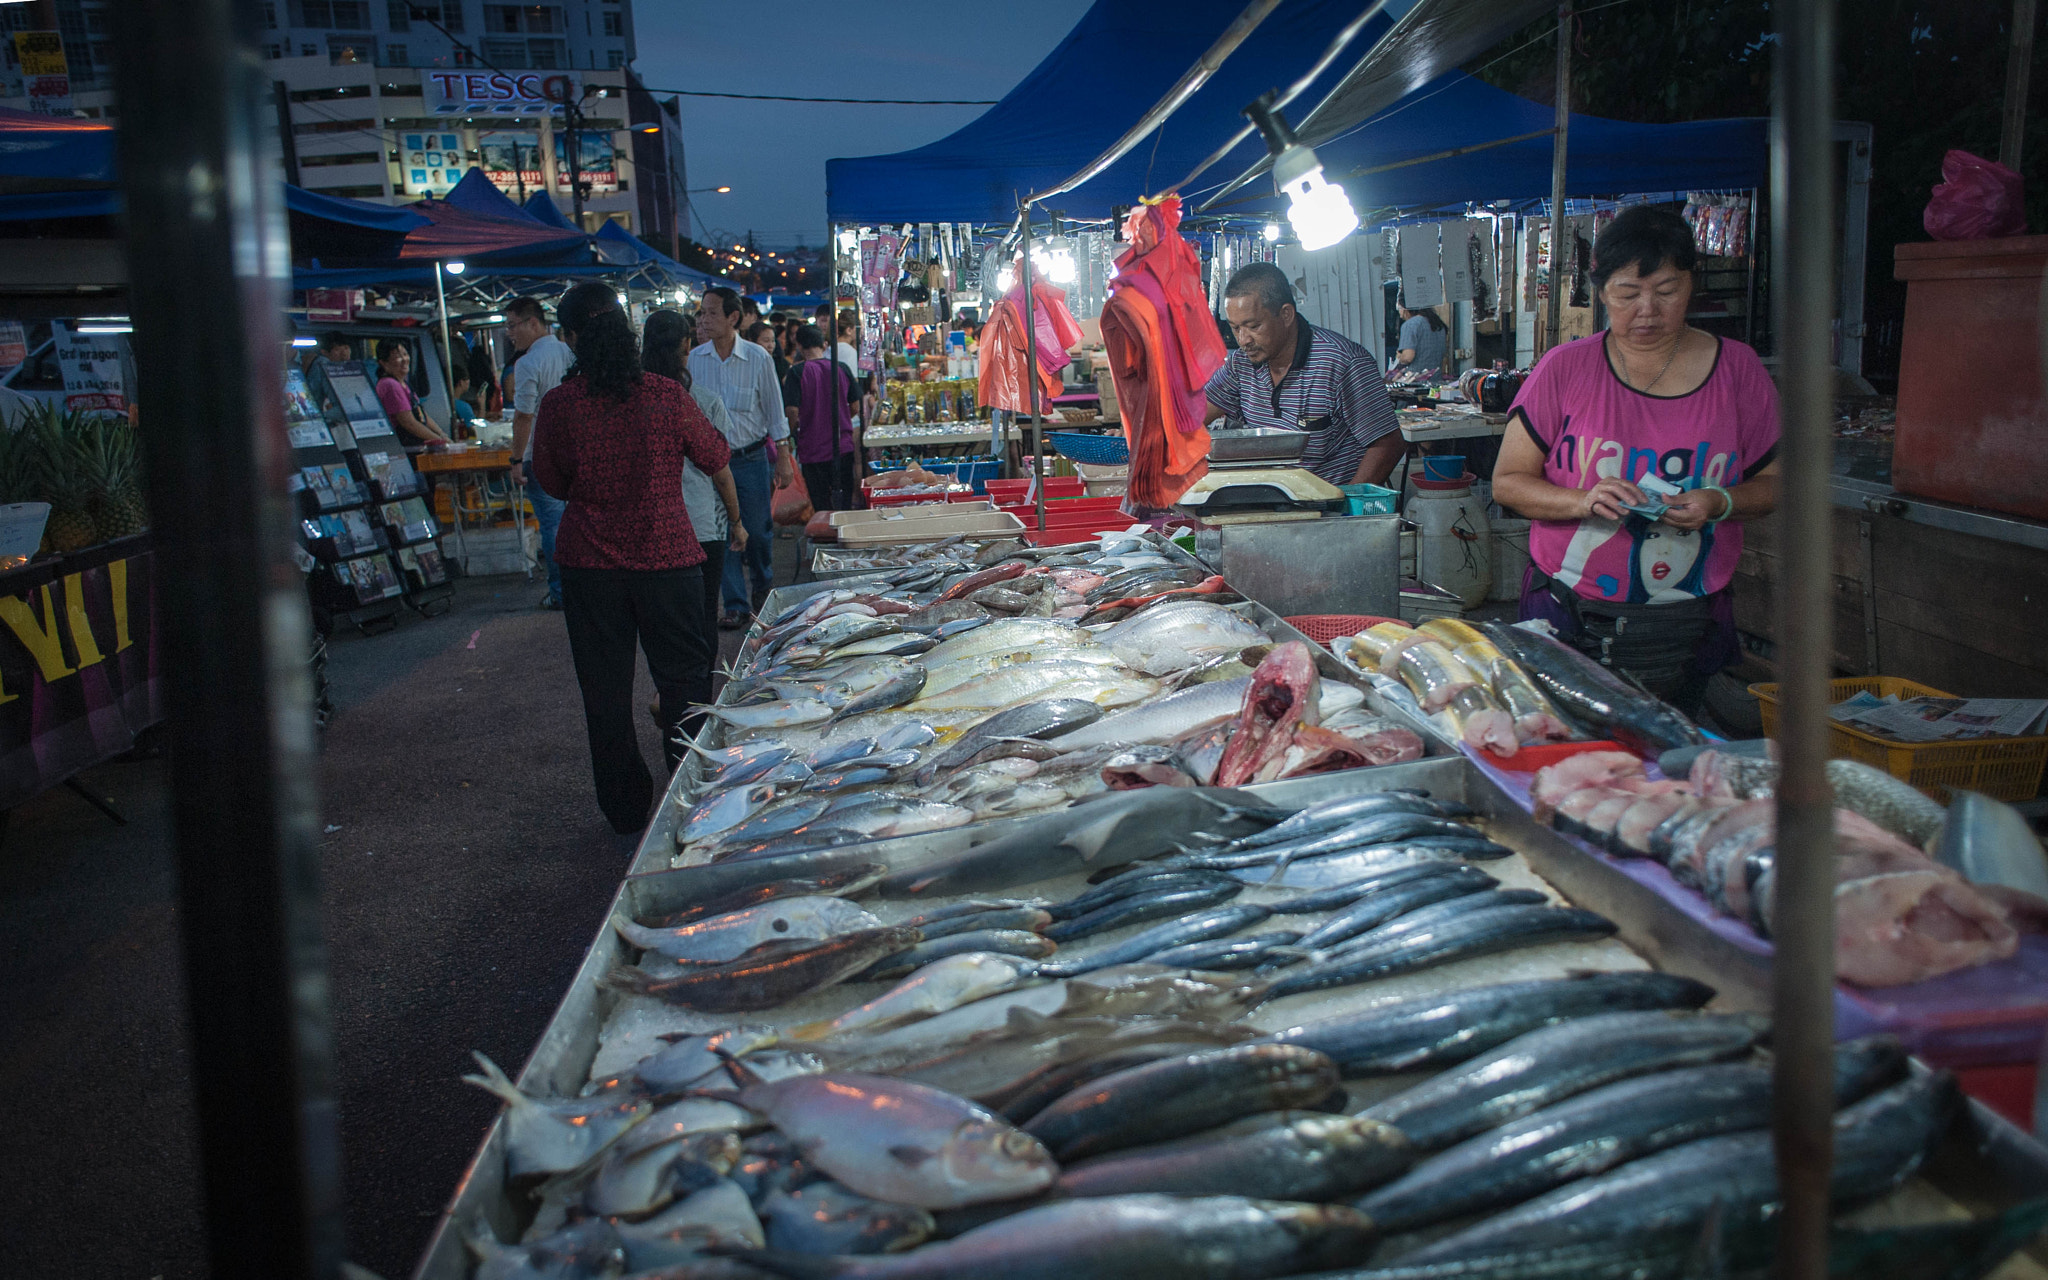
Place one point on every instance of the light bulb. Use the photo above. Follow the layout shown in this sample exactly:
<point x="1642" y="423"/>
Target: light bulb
<point x="454" y="268"/>
<point x="622" y="299"/>
<point x="1272" y="233"/>
<point x="1321" y="214"/>
<point x="1005" y="278"/>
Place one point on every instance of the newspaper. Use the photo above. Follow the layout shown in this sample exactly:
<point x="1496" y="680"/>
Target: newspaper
<point x="1941" y="719"/>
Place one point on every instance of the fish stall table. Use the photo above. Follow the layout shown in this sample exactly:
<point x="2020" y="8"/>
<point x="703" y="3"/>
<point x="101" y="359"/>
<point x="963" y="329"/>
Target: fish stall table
<point x="1982" y="1165"/>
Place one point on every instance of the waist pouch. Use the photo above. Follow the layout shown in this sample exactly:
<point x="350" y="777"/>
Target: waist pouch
<point x="1659" y="645"/>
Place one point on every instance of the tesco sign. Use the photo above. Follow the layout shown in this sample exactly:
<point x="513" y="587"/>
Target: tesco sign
<point x="477" y="93"/>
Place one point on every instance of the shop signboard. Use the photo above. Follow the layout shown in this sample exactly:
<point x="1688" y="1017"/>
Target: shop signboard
<point x="45" y="75"/>
<point x="431" y="163"/>
<point x="511" y="159"/>
<point x="78" y="669"/>
<point x="596" y="158"/>
<point x="495" y="93"/>
<point x="13" y="345"/>
<point x="332" y="305"/>
<point x="92" y="367"/>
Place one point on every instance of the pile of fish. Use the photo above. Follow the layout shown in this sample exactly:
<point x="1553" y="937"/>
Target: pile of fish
<point x="1498" y="688"/>
<point x="950" y="693"/>
<point x="894" y="1087"/>
<point x="1900" y="915"/>
<point x="869" y="559"/>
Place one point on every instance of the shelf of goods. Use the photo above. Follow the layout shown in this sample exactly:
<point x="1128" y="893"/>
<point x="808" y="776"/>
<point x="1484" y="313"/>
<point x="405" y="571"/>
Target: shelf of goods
<point x="1339" y="1011"/>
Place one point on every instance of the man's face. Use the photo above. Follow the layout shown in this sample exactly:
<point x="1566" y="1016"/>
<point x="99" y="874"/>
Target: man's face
<point x="339" y="353"/>
<point x="525" y="331"/>
<point x="1260" y="334"/>
<point x="715" y="324"/>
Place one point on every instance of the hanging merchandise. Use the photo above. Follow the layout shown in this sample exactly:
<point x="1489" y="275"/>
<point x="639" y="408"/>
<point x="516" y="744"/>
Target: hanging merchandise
<point x="1422" y="266"/>
<point x="1720" y="222"/>
<point x="1535" y="263"/>
<point x="1581" y="246"/>
<point x="1163" y="345"/>
<point x="1483" y="266"/>
<point x="1003" y="349"/>
<point x="1457" y="253"/>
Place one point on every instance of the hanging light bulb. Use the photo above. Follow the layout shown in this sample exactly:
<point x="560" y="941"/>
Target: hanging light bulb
<point x="1005" y="278"/>
<point x="1272" y="233"/>
<point x="1321" y="214"/>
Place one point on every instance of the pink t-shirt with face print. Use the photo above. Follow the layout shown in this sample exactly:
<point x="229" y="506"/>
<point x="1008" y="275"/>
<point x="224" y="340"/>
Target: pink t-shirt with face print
<point x="1591" y="424"/>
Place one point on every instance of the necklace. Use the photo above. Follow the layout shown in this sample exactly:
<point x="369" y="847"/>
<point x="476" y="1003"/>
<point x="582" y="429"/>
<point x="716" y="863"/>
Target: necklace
<point x="1660" y="373"/>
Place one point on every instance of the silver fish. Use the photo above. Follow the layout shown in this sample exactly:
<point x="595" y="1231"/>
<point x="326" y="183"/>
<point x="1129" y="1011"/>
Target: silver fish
<point x="903" y="1142"/>
<point x="718" y="1217"/>
<point x="826" y="758"/>
<point x="690" y="1059"/>
<point x="725" y="809"/>
<point x="779" y="714"/>
<point x="893" y="692"/>
<point x="939" y="986"/>
<point x="556" y="1135"/>
<point x="826" y="1218"/>
<point x="725" y="937"/>
<point x="1990" y="843"/>
<point x="905" y="737"/>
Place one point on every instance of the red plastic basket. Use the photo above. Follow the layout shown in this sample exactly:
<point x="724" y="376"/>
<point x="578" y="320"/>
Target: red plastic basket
<point x="1325" y="627"/>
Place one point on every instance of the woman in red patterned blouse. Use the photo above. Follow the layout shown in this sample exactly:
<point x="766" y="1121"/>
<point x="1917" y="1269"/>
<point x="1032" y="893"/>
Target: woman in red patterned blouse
<point x="610" y="441"/>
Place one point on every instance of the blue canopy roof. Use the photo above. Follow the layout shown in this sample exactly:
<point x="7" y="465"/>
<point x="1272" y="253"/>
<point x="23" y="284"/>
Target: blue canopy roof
<point x="1123" y="55"/>
<point x="542" y="207"/>
<point x="476" y="193"/>
<point x="1119" y="59"/>
<point x="56" y="148"/>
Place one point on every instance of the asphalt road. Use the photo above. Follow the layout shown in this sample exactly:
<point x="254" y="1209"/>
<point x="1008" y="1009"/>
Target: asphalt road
<point x="466" y="869"/>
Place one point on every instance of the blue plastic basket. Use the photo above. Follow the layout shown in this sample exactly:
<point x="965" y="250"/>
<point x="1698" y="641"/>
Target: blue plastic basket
<point x="1100" y="451"/>
<point x="975" y="471"/>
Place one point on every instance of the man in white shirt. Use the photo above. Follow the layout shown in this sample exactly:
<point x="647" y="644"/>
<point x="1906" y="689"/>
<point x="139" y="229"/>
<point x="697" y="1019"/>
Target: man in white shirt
<point x="742" y="375"/>
<point x="543" y="361"/>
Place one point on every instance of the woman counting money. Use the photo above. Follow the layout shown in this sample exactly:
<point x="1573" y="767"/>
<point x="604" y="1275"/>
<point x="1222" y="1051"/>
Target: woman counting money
<point x="1638" y="452"/>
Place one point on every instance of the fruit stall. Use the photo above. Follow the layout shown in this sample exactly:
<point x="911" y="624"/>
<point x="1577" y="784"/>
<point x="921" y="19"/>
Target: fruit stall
<point x="1161" y="926"/>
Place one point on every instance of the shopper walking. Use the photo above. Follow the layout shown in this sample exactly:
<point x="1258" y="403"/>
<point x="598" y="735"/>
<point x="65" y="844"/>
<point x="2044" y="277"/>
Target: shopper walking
<point x="821" y="397"/>
<point x="540" y="363"/>
<point x="610" y="442"/>
<point x="741" y="374"/>
<point x="712" y="502"/>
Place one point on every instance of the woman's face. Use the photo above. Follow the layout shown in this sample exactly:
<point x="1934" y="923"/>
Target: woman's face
<point x="1647" y="310"/>
<point x="398" y="364"/>
<point x="1667" y="555"/>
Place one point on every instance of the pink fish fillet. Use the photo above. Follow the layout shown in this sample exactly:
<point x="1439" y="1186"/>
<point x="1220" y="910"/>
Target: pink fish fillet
<point x="1320" y="750"/>
<point x="1554" y="782"/>
<point x="1906" y="926"/>
<point x="1632" y="830"/>
<point x="1282" y="698"/>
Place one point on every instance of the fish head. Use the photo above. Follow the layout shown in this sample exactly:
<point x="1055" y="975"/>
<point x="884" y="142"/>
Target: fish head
<point x="1328" y="1236"/>
<point x="997" y="1159"/>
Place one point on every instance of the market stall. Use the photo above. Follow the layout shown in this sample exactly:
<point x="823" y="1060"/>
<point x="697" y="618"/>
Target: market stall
<point x="1408" y="931"/>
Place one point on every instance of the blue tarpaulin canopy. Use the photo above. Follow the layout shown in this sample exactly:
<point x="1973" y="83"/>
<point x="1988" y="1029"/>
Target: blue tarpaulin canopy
<point x="542" y="207"/>
<point x="54" y="149"/>
<point x="1123" y="55"/>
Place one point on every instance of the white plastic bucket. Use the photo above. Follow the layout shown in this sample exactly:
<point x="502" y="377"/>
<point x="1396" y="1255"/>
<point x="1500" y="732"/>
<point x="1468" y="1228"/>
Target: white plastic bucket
<point x="1510" y="557"/>
<point x="1454" y="542"/>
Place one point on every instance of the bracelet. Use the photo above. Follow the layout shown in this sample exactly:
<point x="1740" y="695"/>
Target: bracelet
<point x="1726" y="497"/>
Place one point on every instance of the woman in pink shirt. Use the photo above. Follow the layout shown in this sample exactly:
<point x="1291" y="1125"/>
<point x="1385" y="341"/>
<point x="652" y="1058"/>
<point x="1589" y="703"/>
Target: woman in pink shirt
<point x="1642" y="591"/>
<point x="394" y="363"/>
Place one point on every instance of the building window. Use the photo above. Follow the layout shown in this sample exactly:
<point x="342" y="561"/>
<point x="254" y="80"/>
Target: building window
<point x="509" y="54"/>
<point x="394" y="55"/>
<point x="451" y="15"/>
<point x="618" y="58"/>
<point x="323" y="95"/>
<point x="545" y="55"/>
<point x="369" y="191"/>
<point x="342" y="157"/>
<point x="273" y="51"/>
<point x="350" y="50"/>
<point x="399" y="13"/>
<point x="308" y="50"/>
<point x="269" y="8"/>
<point x="501" y="18"/>
<point x="390" y="90"/>
<point x="540" y="17"/>
<point x="614" y="24"/>
<point x="332" y="126"/>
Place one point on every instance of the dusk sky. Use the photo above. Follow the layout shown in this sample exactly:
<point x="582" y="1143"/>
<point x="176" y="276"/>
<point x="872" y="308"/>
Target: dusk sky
<point x="773" y="153"/>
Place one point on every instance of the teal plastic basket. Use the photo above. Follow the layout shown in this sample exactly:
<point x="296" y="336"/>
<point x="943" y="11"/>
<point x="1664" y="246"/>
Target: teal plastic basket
<point x="1101" y="451"/>
<point x="1368" y="500"/>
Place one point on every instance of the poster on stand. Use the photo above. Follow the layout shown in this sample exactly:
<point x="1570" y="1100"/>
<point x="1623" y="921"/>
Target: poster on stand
<point x="511" y="159"/>
<point x="92" y="365"/>
<point x="1422" y="266"/>
<point x="430" y="163"/>
<point x="596" y="160"/>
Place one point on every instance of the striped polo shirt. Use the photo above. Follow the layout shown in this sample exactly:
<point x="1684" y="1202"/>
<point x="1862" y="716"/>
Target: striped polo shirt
<point x="1332" y="389"/>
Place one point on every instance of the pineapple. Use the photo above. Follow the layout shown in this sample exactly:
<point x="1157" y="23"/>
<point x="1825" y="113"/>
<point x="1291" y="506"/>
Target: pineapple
<point x="58" y="463"/>
<point x="113" y="474"/>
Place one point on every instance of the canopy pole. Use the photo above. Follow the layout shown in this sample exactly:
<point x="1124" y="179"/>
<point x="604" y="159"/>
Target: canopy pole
<point x="1561" y="126"/>
<point x="2019" y="58"/>
<point x="1031" y="367"/>
<point x="447" y="344"/>
<point x="231" y="609"/>
<point x="1803" y="970"/>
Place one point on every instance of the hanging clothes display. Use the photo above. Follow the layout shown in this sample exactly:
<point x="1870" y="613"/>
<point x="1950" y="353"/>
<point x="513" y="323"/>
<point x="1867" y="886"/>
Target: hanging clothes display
<point x="1003" y="350"/>
<point x="1162" y="346"/>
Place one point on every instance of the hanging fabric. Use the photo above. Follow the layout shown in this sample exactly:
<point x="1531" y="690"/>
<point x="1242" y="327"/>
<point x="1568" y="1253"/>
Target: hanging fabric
<point x="1162" y="345"/>
<point x="1003" y="349"/>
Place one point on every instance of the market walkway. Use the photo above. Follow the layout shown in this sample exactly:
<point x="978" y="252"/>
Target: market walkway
<point x="466" y="872"/>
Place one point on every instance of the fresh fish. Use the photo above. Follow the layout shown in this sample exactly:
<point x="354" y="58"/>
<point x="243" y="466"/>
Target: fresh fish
<point x="1029" y="919"/>
<point x="908" y="736"/>
<point x="824" y="759"/>
<point x="721" y="938"/>
<point x="1050" y="718"/>
<point x="1474" y="717"/>
<point x="686" y="1061"/>
<point x="1454" y="880"/>
<point x="1877" y="1144"/>
<point x="725" y="810"/>
<point x="1141" y="878"/>
<point x="589" y="1249"/>
<point x="1009" y="942"/>
<point x="1556" y="1062"/>
<point x="779" y="714"/>
<point x="718" y="1217"/>
<point x="1216" y="922"/>
<point x="937" y="987"/>
<point x="1228" y="953"/>
<point x="1429" y="916"/>
<point x="738" y="765"/>
<point x="1318" y="901"/>
<point x="1175" y="1097"/>
<point x="1287" y="1156"/>
<point x="1034" y="680"/>
<point x="944" y="614"/>
<point x="1351" y="865"/>
<point x="970" y="907"/>
<point x="785" y="816"/>
<point x="1474" y="933"/>
<point x="826" y="1218"/>
<point x="1373" y="829"/>
<point x="762" y="981"/>
<point x="1435" y="1030"/>
<point x="1990" y="843"/>
<point x="1599" y="1129"/>
<point x="846" y="779"/>
<point x="1593" y="695"/>
<point x="1143" y="1237"/>
<point x="897" y="644"/>
<point x="998" y="551"/>
<point x="555" y="1135"/>
<point x="893" y="692"/>
<point x="982" y="578"/>
<point x="1178" y="635"/>
<point x="1107" y="831"/>
<point x="638" y="1177"/>
<point x="1137" y="908"/>
<point x="1162" y="720"/>
<point x="902" y="1142"/>
<point x="1283" y="696"/>
<point x="845" y="629"/>
<point x="1146" y="766"/>
<point x="1431" y="671"/>
<point x="1335" y="815"/>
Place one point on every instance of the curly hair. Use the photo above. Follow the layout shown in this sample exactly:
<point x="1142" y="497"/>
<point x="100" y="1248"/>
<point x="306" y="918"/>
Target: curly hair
<point x="661" y="348"/>
<point x="607" y="355"/>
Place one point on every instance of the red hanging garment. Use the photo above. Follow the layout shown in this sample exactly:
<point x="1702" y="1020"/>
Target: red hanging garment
<point x="1003" y="347"/>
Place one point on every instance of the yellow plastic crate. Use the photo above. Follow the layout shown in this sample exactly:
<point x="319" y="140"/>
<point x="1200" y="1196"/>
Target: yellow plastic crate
<point x="2004" y="768"/>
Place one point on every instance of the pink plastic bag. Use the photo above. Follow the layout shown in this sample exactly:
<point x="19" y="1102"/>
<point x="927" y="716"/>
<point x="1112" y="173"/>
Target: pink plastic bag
<point x="1975" y="200"/>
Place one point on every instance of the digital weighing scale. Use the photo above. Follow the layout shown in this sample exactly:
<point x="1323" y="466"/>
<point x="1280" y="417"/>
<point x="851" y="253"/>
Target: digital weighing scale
<point x="1250" y="480"/>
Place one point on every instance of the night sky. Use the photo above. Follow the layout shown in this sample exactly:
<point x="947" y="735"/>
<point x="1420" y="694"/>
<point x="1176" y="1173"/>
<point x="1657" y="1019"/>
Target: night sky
<point x="773" y="153"/>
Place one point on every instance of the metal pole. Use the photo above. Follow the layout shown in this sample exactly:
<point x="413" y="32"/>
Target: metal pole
<point x="1561" y="123"/>
<point x="1803" y="971"/>
<point x="1031" y="369"/>
<point x="203" y="205"/>
<point x="287" y="144"/>
<point x="447" y="345"/>
<point x="572" y="116"/>
<point x="2019" y="59"/>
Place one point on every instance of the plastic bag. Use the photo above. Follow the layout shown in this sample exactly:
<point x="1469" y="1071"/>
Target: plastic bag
<point x="1975" y="200"/>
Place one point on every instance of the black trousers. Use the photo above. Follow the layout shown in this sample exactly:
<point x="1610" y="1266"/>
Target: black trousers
<point x="608" y="611"/>
<point x="830" y="484"/>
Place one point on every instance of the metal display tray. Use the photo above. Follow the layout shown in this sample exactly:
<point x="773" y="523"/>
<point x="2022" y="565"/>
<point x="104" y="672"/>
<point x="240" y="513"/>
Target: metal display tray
<point x="1985" y="1164"/>
<point x="1274" y="444"/>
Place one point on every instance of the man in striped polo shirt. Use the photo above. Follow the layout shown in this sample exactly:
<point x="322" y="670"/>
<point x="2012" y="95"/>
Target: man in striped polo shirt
<point x="1290" y="374"/>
